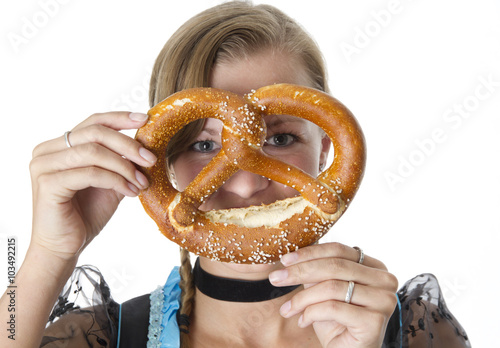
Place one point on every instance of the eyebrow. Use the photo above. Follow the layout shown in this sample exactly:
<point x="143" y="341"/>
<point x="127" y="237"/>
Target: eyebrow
<point x="211" y="131"/>
<point x="276" y="121"/>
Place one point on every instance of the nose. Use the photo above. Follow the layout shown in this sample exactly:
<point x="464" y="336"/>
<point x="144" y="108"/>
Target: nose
<point x="245" y="184"/>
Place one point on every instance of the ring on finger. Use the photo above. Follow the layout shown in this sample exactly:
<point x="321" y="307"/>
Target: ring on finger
<point x="66" y="138"/>
<point x="361" y="254"/>
<point x="350" y="289"/>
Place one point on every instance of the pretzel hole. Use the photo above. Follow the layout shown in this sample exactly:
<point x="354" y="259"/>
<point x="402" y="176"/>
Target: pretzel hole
<point x="205" y="166"/>
<point x="307" y="139"/>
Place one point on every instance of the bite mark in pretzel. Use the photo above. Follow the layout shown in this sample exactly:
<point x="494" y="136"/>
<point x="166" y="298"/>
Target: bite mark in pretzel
<point x="256" y="234"/>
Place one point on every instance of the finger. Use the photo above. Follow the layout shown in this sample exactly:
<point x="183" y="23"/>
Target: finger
<point x="356" y="319"/>
<point x="100" y="129"/>
<point x="88" y="155"/>
<point x="116" y="120"/>
<point x="326" y="250"/>
<point x="65" y="184"/>
<point x="315" y="271"/>
<point x="115" y="141"/>
<point x="362" y="295"/>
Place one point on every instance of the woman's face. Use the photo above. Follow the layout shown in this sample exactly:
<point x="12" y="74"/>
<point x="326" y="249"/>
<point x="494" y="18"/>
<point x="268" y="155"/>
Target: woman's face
<point x="293" y="140"/>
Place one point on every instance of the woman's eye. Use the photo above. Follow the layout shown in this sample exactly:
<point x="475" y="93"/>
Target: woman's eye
<point x="281" y="139"/>
<point x="204" y="146"/>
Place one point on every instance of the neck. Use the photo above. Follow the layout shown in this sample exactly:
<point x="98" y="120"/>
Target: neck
<point x="241" y="324"/>
<point x="238" y="324"/>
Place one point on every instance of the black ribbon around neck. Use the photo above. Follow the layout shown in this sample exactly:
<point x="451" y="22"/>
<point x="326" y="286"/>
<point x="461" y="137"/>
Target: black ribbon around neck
<point x="236" y="290"/>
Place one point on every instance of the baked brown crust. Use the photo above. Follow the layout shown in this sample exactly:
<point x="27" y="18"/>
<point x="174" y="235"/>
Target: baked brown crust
<point x="257" y="234"/>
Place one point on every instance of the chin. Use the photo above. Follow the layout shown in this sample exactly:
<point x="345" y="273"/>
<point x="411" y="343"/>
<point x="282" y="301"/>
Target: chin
<point x="253" y="268"/>
<point x="242" y="271"/>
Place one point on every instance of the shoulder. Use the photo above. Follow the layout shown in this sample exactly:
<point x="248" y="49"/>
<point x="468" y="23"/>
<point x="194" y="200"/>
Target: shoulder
<point x="425" y="319"/>
<point x="104" y="322"/>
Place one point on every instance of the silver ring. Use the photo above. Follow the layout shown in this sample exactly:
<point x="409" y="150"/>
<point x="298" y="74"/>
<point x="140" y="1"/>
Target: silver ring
<point x="350" y="289"/>
<point x="361" y="254"/>
<point x="66" y="139"/>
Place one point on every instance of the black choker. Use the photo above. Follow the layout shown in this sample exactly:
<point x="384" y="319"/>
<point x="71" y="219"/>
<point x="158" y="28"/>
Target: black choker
<point x="235" y="290"/>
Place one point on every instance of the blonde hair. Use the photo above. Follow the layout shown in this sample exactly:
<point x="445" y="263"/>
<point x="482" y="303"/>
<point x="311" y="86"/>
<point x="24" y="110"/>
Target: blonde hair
<point x="223" y="33"/>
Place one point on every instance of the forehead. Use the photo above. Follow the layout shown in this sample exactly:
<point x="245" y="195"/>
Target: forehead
<point x="261" y="69"/>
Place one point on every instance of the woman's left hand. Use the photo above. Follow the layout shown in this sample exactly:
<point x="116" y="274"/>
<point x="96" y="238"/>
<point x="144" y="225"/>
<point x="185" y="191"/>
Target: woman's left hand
<point x="325" y="271"/>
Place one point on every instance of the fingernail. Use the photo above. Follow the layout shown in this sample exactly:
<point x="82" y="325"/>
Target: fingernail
<point x="278" y="276"/>
<point x="137" y="116"/>
<point x="285" y="308"/>
<point x="142" y="179"/>
<point x="290" y="258"/>
<point x="147" y="155"/>
<point x="301" y="321"/>
<point x="134" y="189"/>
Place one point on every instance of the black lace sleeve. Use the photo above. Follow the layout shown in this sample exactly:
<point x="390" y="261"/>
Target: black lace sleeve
<point x="422" y="319"/>
<point x="81" y="319"/>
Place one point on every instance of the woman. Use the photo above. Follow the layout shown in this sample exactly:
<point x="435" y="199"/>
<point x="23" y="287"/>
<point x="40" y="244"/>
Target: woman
<point x="79" y="180"/>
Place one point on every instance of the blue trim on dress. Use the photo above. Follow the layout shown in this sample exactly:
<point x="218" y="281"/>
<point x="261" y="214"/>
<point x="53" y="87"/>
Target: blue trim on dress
<point x="163" y="329"/>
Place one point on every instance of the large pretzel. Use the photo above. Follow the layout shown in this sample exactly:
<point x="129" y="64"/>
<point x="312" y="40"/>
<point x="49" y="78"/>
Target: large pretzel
<point x="257" y="234"/>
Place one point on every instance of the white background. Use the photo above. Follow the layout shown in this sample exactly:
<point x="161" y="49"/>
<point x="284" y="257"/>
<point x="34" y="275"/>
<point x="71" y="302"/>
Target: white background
<point x="402" y="67"/>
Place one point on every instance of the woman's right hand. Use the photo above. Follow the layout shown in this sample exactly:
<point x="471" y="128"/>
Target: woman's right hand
<point x="76" y="190"/>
